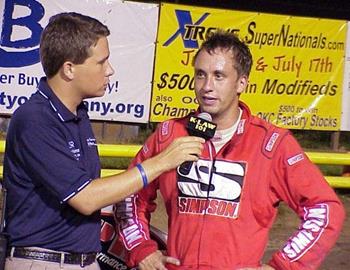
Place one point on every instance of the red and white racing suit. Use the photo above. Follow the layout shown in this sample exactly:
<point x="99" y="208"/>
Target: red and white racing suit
<point x="221" y="208"/>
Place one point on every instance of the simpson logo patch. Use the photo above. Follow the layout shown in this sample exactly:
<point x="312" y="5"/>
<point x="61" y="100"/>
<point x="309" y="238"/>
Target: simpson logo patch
<point x="315" y="221"/>
<point x="165" y="128"/>
<point x="145" y="148"/>
<point x="291" y="161"/>
<point x="130" y="229"/>
<point x="271" y="141"/>
<point x="240" y="127"/>
<point x="217" y="195"/>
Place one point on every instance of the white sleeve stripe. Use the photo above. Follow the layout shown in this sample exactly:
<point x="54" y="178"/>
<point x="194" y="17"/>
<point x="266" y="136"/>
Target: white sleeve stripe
<point x="75" y="192"/>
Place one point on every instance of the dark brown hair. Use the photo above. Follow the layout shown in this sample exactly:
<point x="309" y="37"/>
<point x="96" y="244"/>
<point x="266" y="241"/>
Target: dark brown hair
<point x="68" y="37"/>
<point x="225" y="40"/>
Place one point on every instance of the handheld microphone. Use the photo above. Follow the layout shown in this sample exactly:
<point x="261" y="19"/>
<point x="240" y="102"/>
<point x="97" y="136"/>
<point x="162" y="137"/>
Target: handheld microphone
<point x="200" y="126"/>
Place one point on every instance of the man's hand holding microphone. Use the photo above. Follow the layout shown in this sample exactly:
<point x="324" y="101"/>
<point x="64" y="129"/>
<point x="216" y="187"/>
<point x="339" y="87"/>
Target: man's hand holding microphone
<point x="182" y="149"/>
<point x="185" y="150"/>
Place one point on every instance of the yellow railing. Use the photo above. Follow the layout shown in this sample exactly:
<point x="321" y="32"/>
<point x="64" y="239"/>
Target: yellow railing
<point x="115" y="150"/>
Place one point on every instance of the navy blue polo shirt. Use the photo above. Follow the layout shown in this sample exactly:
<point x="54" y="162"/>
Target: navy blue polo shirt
<point x="51" y="154"/>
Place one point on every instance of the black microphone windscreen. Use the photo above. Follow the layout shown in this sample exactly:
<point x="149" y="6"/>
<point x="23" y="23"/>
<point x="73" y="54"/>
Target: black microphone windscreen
<point x="201" y="126"/>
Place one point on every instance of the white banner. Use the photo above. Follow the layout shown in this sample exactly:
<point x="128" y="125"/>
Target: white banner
<point x="345" y="117"/>
<point x="133" y="29"/>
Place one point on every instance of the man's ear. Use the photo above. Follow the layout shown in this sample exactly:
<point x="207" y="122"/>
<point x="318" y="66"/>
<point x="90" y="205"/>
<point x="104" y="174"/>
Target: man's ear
<point x="242" y="84"/>
<point x="68" y="70"/>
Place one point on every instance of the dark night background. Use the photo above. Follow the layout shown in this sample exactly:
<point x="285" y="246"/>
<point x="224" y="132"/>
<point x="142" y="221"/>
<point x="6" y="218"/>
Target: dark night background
<point x="336" y="9"/>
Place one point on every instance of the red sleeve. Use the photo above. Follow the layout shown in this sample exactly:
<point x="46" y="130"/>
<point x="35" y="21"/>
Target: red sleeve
<point x="133" y="214"/>
<point x="299" y="183"/>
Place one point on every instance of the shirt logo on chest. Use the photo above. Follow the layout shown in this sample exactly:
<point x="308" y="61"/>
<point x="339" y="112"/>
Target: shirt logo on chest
<point x="91" y="142"/>
<point x="75" y="151"/>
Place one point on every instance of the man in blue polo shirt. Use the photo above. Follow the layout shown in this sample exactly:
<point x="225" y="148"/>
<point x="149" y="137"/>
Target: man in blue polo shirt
<point x="51" y="164"/>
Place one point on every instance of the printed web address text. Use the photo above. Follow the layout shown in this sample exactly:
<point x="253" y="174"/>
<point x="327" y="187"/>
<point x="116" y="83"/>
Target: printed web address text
<point x="11" y="102"/>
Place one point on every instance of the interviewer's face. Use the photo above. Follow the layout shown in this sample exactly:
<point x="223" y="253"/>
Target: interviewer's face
<point x="217" y="86"/>
<point x="92" y="76"/>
